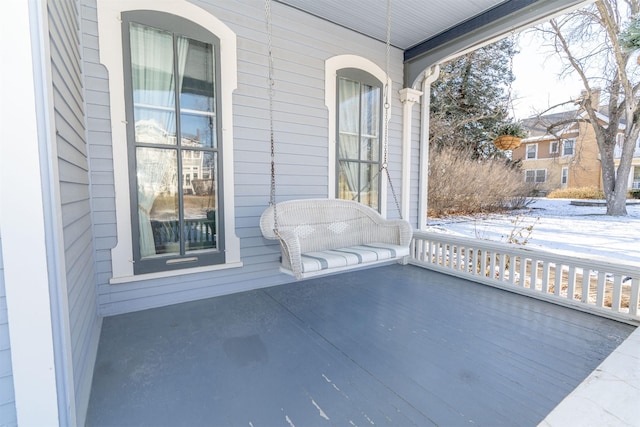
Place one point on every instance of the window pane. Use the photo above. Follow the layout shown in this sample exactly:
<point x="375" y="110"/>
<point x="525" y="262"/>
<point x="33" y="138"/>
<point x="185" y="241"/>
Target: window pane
<point x="370" y="149"/>
<point x="568" y="147"/>
<point x="153" y="85"/>
<point x="200" y="201"/>
<point x="529" y="176"/>
<point x="531" y="151"/>
<point x="197" y="91"/>
<point x="348" y="122"/>
<point x="541" y="175"/>
<point x="157" y="201"/>
<point x="348" y="180"/>
<point x="370" y="118"/>
<point x="198" y="130"/>
<point x="348" y="147"/>
<point x="348" y="107"/>
<point x="369" y="185"/>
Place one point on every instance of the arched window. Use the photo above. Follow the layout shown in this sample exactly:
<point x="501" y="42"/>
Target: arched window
<point x="172" y="72"/>
<point x="353" y="95"/>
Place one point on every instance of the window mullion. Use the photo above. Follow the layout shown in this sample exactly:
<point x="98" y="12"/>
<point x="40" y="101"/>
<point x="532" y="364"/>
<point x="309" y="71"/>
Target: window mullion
<point x="179" y="153"/>
<point x="360" y="101"/>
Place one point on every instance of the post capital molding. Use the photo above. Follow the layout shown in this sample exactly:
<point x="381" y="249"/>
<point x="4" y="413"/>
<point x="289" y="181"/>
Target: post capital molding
<point x="410" y="95"/>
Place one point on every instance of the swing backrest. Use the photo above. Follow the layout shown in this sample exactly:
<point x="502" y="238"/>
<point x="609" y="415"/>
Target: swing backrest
<point x="321" y="224"/>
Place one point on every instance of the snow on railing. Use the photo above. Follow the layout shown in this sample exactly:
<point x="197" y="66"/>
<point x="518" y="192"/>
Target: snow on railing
<point x="607" y="288"/>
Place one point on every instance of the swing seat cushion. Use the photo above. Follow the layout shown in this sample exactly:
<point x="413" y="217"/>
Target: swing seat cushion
<point x="325" y="235"/>
<point x="351" y="255"/>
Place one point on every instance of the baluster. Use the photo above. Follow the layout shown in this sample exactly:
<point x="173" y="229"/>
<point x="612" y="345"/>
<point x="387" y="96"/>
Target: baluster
<point x="513" y="259"/>
<point x="571" y="284"/>
<point x="557" y="283"/>
<point x="617" y="293"/>
<point x="601" y="287"/>
<point x="586" y="282"/>
<point x="523" y="271"/>
<point x="634" y="299"/>
<point x="533" y="283"/>
<point x="545" y="276"/>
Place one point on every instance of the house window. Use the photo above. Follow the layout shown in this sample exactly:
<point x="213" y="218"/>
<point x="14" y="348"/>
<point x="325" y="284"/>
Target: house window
<point x="568" y="147"/>
<point x="636" y="178"/>
<point x="553" y="147"/>
<point x="173" y="128"/>
<point x="535" y="176"/>
<point x="565" y="176"/>
<point x="532" y="151"/>
<point x="359" y="127"/>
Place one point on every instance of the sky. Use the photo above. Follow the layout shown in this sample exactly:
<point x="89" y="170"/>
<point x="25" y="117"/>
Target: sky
<point x="537" y="85"/>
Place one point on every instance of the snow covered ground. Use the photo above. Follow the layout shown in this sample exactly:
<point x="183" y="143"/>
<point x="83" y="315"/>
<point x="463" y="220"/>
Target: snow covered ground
<point x="583" y="231"/>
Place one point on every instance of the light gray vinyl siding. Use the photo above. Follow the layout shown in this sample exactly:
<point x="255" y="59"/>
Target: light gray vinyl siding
<point x="7" y="396"/>
<point x="301" y="45"/>
<point x="73" y="172"/>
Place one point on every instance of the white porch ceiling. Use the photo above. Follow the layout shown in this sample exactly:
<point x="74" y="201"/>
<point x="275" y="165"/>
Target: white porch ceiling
<point x="412" y="21"/>
<point x="430" y="31"/>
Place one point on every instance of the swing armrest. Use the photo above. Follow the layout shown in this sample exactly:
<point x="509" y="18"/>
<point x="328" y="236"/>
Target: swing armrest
<point x="400" y="228"/>
<point x="291" y="253"/>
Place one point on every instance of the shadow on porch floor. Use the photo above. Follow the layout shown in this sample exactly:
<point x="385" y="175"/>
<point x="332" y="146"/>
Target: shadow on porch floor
<point x="386" y="346"/>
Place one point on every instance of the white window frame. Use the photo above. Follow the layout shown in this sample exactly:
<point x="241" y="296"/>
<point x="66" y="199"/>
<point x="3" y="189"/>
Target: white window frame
<point x="554" y="144"/>
<point x="110" y="43"/>
<point x="535" y="176"/>
<point x="526" y="152"/>
<point x="573" y="151"/>
<point x="332" y="65"/>
<point x="564" y="176"/>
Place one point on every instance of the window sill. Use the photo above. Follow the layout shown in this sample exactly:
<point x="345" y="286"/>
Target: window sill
<point x="173" y="273"/>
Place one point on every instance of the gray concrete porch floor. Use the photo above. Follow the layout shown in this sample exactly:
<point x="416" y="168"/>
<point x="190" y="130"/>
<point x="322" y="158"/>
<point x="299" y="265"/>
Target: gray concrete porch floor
<point x="395" y="345"/>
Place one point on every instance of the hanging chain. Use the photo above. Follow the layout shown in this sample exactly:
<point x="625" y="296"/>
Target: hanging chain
<point x="387" y="112"/>
<point x="271" y="84"/>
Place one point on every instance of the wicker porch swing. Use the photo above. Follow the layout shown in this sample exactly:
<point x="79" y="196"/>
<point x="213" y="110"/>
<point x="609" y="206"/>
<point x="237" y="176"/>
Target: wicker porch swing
<point x="326" y="236"/>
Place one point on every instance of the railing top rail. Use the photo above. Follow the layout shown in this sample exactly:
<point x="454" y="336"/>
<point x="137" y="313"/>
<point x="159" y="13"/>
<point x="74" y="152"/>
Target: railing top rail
<point x="629" y="268"/>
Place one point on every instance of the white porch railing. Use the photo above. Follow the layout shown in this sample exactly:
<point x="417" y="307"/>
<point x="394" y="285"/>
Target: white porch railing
<point x="609" y="289"/>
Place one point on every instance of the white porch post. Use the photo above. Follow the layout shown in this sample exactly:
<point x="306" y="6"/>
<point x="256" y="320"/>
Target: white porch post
<point x="429" y="77"/>
<point x="23" y="218"/>
<point x="408" y="97"/>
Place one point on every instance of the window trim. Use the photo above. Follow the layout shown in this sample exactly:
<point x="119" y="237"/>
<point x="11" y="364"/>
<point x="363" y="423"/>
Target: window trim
<point x="573" y="151"/>
<point x="557" y="145"/>
<point x="526" y="151"/>
<point x="535" y="176"/>
<point x="332" y="65"/>
<point x="110" y="48"/>
<point x="564" y="176"/>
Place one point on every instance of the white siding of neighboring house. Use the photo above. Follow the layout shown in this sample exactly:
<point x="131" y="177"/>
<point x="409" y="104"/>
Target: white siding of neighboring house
<point x="73" y="173"/>
<point x="7" y="397"/>
<point x="301" y="45"/>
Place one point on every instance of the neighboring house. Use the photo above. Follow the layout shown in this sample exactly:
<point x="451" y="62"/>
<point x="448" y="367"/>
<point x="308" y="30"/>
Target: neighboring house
<point x="90" y="161"/>
<point x="568" y="158"/>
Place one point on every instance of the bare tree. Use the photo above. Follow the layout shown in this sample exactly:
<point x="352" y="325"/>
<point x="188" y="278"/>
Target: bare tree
<point x="587" y="41"/>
